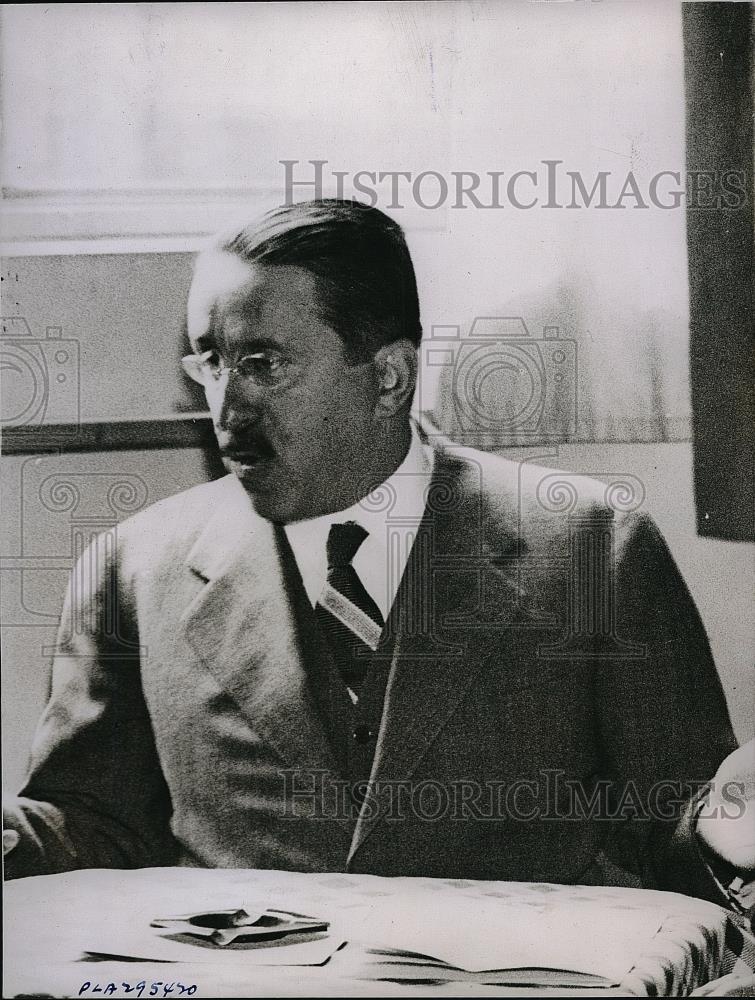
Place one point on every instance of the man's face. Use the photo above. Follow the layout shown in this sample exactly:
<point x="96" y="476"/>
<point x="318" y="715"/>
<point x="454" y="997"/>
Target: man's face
<point x="293" y="424"/>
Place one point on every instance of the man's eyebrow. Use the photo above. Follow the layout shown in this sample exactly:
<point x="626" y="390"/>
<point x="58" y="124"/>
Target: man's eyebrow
<point x="263" y="344"/>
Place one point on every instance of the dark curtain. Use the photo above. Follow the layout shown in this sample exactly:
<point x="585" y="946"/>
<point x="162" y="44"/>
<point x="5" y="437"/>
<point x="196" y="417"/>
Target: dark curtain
<point x="718" y="46"/>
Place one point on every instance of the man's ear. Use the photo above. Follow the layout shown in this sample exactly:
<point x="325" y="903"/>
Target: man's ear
<point x="396" y="367"/>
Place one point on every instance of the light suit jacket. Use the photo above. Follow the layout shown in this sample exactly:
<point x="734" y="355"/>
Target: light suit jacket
<point x="551" y="705"/>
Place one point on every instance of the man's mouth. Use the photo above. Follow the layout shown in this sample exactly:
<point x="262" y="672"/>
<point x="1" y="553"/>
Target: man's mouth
<point x="244" y="457"/>
<point x="248" y="456"/>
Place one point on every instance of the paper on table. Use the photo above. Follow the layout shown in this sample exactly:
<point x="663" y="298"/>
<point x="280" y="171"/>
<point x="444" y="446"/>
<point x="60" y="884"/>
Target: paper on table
<point x="482" y="934"/>
<point x="153" y="945"/>
<point x="395" y="967"/>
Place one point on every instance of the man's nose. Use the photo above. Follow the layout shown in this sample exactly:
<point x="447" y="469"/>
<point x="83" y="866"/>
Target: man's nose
<point x="237" y="402"/>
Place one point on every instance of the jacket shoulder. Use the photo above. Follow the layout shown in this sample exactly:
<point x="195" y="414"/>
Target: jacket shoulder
<point x="539" y="503"/>
<point x="532" y="486"/>
<point x="168" y="528"/>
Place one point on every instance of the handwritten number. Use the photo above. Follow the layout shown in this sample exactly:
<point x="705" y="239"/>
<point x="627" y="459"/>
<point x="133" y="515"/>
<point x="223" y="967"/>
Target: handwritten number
<point x="139" y="988"/>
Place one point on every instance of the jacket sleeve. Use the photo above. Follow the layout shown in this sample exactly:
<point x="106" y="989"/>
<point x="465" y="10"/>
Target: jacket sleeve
<point x="95" y="796"/>
<point x="663" y="722"/>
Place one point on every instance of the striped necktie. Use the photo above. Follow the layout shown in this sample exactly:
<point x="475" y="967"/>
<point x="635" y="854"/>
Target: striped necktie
<point x="349" y="618"/>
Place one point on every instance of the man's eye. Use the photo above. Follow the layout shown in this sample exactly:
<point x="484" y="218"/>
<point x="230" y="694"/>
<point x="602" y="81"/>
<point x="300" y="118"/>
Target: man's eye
<point x="266" y="365"/>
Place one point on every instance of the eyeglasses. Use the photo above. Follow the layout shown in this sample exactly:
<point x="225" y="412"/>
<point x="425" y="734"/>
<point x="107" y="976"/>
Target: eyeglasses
<point x="261" y="368"/>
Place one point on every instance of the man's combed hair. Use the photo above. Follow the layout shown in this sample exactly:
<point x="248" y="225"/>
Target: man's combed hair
<point x="366" y="281"/>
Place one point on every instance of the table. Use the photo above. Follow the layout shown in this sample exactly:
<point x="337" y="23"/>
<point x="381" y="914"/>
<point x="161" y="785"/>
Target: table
<point x="51" y="920"/>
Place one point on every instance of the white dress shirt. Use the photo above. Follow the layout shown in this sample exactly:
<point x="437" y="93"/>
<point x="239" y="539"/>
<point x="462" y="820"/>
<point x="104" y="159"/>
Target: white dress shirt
<point x="390" y="514"/>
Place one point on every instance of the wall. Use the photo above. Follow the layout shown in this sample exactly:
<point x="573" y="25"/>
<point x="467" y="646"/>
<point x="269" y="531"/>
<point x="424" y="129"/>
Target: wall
<point x="125" y="317"/>
<point x="171" y="142"/>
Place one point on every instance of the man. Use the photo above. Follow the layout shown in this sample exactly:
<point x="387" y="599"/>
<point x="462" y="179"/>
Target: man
<point x="355" y="652"/>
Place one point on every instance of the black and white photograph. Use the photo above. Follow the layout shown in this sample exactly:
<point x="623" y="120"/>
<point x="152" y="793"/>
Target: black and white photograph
<point x="378" y="521"/>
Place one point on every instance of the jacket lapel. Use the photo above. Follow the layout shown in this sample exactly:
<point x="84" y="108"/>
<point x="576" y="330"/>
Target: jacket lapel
<point x="440" y="627"/>
<point x="244" y="627"/>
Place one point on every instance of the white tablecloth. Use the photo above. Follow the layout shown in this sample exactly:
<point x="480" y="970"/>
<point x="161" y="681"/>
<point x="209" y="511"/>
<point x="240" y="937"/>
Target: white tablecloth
<point x="51" y="921"/>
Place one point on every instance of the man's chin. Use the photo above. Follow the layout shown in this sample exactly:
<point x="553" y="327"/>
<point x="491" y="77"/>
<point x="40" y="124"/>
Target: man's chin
<point x="269" y="499"/>
<point x="277" y="497"/>
<point x="268" y="509"/>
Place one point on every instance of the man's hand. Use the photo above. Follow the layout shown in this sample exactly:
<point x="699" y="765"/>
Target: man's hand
<point x="726" y="825"/>
<point x="10" y="839"/>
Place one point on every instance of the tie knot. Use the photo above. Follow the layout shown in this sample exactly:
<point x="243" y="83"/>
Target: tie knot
<point x="343" y="542"/>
